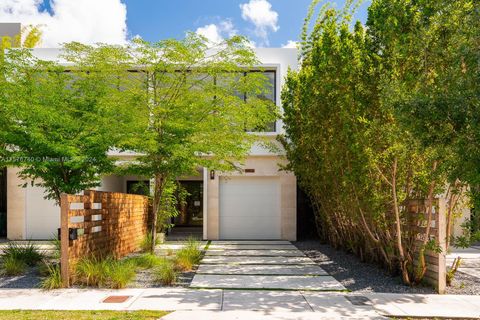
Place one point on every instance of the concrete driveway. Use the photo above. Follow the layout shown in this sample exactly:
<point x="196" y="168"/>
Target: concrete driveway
<point x="267" y="265"/>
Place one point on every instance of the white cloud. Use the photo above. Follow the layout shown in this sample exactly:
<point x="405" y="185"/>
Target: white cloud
<point x="215" y="33"/>
<point x="87" y="21"/>
<point x="290" y="44"/>
<point x="260" y="13"/>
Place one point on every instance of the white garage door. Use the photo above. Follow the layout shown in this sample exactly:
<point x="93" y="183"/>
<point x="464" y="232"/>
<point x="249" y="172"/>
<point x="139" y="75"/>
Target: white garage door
<point x="250" y="208"/>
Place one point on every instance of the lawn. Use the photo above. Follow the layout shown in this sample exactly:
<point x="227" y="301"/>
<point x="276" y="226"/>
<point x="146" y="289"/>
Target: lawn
<point x="80" y="315"/>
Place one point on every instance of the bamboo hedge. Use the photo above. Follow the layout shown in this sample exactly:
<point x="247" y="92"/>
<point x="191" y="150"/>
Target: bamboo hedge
<point x="368" y="124"/>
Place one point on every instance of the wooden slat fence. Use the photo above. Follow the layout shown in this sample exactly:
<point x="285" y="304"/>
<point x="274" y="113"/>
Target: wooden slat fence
<point x="435" y="261"/>
<point x="106" y="224"/>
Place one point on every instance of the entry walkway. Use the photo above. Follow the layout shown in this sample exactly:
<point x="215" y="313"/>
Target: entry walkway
<point x="274" y="265"/>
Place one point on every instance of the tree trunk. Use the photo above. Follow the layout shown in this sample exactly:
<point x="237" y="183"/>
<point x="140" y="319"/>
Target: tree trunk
<point x="157" y="201"/>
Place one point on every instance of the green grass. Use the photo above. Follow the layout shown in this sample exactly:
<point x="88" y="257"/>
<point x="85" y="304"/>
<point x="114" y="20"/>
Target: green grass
<point x="13" y="266"/>
<point x="189" y="256"/>
<point x="146" y="244"/>
<point x="16" y="257"/>
<point x="53" y="280"/>
<point x="165" y="272"/>
<point x="146" y="261"/>
<point x="81" y="315"/>
<point x="104" y="273"/>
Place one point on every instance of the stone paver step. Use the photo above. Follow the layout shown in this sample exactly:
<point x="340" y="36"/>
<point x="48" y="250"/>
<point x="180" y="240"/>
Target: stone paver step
<point x="256" y="260"/>
<point x="261" y="242"/>
<point x="268" y="253"/>
<point x="305" y="283"/>
<point x="312" y="270"/>
<point x="252" y="246"/>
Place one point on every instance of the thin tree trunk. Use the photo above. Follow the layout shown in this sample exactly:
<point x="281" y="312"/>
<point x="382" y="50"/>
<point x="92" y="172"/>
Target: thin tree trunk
<point x="157" y="200"/>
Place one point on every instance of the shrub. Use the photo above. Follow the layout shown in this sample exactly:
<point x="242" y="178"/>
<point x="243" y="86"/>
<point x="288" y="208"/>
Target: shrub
<point x="146" y="244"/>
<point x="165" y="272"/>
<point x="104" y="273"/>
<point x="119" y="273"/>
<point x="91" y="272"/>
<point x="53" y="279"/>
<point x="27" y="253"/>
<point x="12" y="266"/>
<point x="189" y="256"/>
<point x="145" y="261"/>
<point x="57" y="248"/>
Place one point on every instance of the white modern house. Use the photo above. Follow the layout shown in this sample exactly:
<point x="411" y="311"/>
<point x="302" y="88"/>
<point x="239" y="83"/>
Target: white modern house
<point x="260" y="202"/>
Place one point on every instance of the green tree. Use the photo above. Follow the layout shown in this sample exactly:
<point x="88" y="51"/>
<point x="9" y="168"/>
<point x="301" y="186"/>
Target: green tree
<point x="195" y="108"/>
<point x="62" y="121"/>
<point x="349" y="149"/>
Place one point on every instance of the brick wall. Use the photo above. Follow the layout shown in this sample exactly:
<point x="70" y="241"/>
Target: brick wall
<point x="106" y="223"/>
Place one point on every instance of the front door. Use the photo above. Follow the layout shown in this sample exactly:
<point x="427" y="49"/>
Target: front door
<point x="191" y="210"/>
<point x="3" y="202"/>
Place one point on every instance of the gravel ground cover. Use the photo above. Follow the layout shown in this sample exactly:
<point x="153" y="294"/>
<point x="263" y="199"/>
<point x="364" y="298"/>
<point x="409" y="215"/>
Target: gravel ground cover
<point x="31" y="279"/>
<point x="359" y="276"/>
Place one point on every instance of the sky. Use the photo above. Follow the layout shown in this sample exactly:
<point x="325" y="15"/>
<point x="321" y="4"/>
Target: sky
<point x="267" y="23"/>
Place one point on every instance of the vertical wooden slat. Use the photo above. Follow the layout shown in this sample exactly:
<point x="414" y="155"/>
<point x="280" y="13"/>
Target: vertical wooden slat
<point x="442" y="241"/>
<point x="64" y="243"/>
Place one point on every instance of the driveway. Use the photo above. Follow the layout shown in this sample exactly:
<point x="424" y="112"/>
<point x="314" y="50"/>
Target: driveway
<point x="261" y="265"/>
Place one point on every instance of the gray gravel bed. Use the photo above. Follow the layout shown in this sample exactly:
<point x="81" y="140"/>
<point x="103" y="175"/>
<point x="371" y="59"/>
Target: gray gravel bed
<point x="31" y="279"/>
<point x="354" y="274"/>
<point x="464" y="284"/>
<point x="145" y="279"/>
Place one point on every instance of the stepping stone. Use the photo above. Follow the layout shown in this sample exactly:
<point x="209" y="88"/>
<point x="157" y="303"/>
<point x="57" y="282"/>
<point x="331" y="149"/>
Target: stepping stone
<point x="268" y="253"/>
<point x="256" y="260"/>
<point x="240" y="242"/>
<point x="311" y="270"/>
<point x="305" y="283"/>
<point x="252" y="246"/>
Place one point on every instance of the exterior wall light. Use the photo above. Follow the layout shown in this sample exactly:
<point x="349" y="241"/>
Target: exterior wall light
<point x="212" y="174"/>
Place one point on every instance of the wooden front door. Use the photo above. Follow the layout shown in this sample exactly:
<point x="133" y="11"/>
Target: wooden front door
<point x="191" y="211"/>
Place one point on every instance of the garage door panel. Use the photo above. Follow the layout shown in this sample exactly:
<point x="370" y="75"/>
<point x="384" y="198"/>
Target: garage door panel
<point x="250" y="208"/>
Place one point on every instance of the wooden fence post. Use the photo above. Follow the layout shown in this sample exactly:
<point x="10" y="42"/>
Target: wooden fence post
<point x="64" y="240"/>
<point x="442" y="242"/>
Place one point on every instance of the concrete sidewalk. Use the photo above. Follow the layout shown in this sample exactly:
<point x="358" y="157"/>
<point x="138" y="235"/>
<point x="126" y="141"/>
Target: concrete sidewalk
<point x="251" y="304"/>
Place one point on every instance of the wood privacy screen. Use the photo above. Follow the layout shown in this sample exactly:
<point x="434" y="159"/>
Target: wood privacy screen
<point x="100" y="224"/>
<point x="435" y="261"/>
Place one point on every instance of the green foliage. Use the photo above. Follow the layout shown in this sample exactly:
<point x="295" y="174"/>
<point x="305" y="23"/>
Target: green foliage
<point x="120" y="274"/>
<point x="188" y="256"/>
<point x="165" y="272"/>
<point x="104" y="273"/>
<point x="53" y="279"/>
<point x="82" y="315"/>
<point x="146" y="244"/>
<point x="146" y="261"/>
<point x="13" y="266"/>
<point x="27" y="253"/>
<point x="61" y="122"/>
<point x="375" y="117"/>
<point x="92" y="272"/>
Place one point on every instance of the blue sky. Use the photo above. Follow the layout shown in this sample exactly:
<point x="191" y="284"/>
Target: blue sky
<point x="270" y="23"/>
<point x="158" y="19"/>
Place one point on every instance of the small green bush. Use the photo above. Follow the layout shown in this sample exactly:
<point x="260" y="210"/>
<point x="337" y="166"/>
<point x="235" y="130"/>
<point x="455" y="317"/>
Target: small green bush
<point x="91" y="272"/>
<point x="189" y="256"/>
<point x="12" y="266"/>
<point x="119" y="274"/>
<point x="146" y="244"/>
<point x="53" y="279"/>
<point x="28" y="253"/>
<point x="165" y="272"/>
<point x="145" y="261"/>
